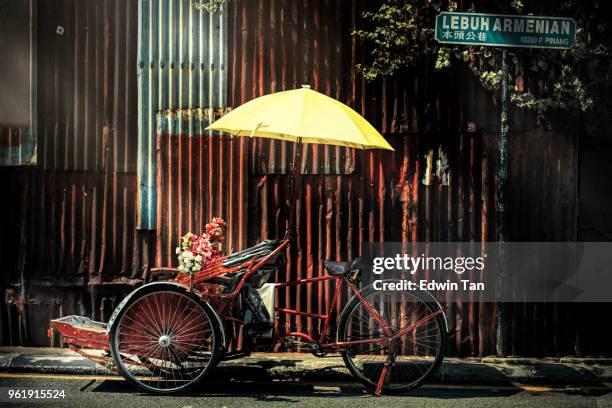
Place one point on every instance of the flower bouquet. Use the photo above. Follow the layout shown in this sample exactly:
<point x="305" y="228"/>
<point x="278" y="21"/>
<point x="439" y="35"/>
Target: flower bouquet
<point x="196" y="250"/>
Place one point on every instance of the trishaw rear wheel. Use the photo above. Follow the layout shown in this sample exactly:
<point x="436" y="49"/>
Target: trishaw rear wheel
<point x="165" y="340"/>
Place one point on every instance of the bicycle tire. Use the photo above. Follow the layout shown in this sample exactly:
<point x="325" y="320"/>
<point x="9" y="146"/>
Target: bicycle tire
<point x="179" y="296"/>
<point x="371" y="381"/>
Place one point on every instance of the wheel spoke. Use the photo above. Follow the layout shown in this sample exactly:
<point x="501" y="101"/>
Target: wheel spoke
<point x="166" y="341"/>
<point x="415" y="353"/>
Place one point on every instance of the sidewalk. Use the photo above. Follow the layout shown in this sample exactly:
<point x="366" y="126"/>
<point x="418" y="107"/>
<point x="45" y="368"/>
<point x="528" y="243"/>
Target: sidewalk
<point x="305" y="367"/>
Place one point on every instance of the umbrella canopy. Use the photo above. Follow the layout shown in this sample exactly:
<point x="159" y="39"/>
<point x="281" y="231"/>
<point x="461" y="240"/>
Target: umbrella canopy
<point x="303" y="116"/>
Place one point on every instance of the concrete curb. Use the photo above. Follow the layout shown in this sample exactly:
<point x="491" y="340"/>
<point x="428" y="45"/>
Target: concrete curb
<point x="307" y="368"/>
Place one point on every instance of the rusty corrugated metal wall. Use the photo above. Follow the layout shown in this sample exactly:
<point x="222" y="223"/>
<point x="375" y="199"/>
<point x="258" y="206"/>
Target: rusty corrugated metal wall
<point x="71" y="244"/>
<point x="182" y="59"/>
<point x="17" y="146"/>
<point x="86" y="88"/>
<point x="351" y="197"/>
<point x="18" y="134"/>
<point x="279" y="45"/>
<point x="200" y="175"/>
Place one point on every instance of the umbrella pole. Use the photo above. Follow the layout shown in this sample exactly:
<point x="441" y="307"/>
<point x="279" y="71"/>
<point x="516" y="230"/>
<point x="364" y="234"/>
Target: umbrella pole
<point x="295" y="176"/>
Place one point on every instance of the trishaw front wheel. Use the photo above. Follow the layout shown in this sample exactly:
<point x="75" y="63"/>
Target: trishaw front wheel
<point x="165" y="340"/>
<point x="401" y="356"/>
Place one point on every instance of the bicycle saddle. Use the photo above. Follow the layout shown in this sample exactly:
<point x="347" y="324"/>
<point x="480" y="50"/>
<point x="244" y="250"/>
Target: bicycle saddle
<point x="336" y="268"/>
<point x="341" y="268"/>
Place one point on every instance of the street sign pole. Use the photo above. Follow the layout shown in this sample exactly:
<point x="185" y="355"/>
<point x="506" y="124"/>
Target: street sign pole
<point x="503" y="30"/>
<point x="502" y="233"/>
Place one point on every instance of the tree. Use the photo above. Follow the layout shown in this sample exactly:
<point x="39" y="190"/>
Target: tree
<point x="212" y="6"/>
<point x="400" y="35"/>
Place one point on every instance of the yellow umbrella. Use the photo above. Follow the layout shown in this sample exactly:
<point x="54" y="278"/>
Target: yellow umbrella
<point x="302" y="115"/>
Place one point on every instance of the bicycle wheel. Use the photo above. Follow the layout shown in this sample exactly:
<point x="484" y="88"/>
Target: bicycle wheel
<point x="165" y="340"/>
<point x="411" y="358"/>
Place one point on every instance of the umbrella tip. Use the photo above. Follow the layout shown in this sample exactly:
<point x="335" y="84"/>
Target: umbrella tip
<point x="305" y="86"/>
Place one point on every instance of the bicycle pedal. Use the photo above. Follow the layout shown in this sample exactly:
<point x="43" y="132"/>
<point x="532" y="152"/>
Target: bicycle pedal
<point x="292" y="342"/>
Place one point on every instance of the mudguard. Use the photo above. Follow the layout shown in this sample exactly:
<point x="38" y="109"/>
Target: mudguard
<point x="161" y="285"/>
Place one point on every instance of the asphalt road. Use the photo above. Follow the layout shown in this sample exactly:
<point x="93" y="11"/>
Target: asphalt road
<point x="111" y="392"/>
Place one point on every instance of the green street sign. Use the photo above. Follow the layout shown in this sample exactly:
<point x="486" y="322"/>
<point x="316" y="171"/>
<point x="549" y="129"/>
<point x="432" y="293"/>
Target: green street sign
<point x="502" y="30"/>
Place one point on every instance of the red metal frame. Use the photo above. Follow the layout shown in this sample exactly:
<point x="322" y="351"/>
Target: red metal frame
<point x="201" y="285"/>
<point x="339" y="281"/>
<point x="74" y="336"/>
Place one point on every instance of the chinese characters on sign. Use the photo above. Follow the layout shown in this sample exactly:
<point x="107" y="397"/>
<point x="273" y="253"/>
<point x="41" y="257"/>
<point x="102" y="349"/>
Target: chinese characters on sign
<point x="505" y="30"/>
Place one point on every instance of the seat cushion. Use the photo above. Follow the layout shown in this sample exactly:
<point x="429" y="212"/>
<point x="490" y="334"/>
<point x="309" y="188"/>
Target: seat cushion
<point x="336" y="268"/>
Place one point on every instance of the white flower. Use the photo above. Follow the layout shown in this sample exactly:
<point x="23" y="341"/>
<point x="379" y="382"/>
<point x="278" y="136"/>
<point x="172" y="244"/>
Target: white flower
<point x="198" y="258"/>
<point x="178" y="250"/>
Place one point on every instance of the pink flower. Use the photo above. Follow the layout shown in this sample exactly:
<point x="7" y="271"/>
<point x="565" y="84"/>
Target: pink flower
<point x="207" y="245"/>
<point x="215" y="229"/>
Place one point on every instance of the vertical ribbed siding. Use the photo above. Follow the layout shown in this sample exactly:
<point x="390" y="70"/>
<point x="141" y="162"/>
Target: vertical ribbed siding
<point x="382" y="198"/>
<point x="71" y="236"/>
<point x="69" y="242"/>
<point x="18" y="144"/>
<point x="86" y="88"/>
<point x="181" y="65"/>
<point x="277" y="45"/>
<point x="66" y="232"/>
<point x="199" y="176"/>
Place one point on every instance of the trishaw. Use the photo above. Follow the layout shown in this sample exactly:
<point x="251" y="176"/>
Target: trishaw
<point x="166" y="336"/>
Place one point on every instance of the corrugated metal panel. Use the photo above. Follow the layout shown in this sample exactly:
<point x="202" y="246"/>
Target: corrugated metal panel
<point x="200" y="175"/>
<point x="69" y="241"/>
<point x="79" y="226"/>
<point x="18" y="142"/>
<point x="384" y="201"/>
<point x="275" y="157"/>
<point x="17" y="146"/>
<point x="86" y="84"/>
<point x="68" y="231"/>
<point x="280" y="45"/>
<point x="65" y="230"/>
<point x="181" y="64"/>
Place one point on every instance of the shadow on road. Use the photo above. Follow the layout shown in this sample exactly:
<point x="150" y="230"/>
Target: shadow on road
<point x="229" y="381"/>
<point x="284" y="391"/>
<point x="458" y="393"/>
<point x="527" y="372"/>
